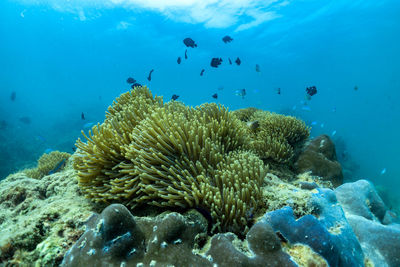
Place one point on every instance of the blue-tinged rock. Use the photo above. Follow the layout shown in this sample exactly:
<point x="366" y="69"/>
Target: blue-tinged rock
<point x="328" y="234"/>
<point x="375" y="226"/>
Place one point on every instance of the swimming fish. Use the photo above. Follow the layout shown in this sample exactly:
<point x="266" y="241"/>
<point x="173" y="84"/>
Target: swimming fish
<point x="215" y="95"/>
<point x="383" y="171"/>
<point x="58" y="167"/>
<point x="149" y="77"/>
<point x="334" y="132"/>
<point x="88" y="125"/>
<point x="227" y="39"/>
<point x="241" y="93"/>
<point x="215" y="62"/>
<point x="221" y="88"/>
<point x="230" y="61"/>
<point x="202" y="72"/>
<point x="3" y="124"/>
<point x="278" y="91"/>
<point x="82" y="116"/>
<point x="130" y="80"/>
<point x="258" y="68"/>
<point x="306" y="108"/>
<point x="135" y="85"/>
<point x="312" y="90"/>
<point x="253" y="125"/>
<point x="189" y="42"/>
<point x="179" y="60"/>
<point x="355" y="88"/>
<point x="314" y="123"/>
<point x="25" y="120"/>
<point x="238" y="61"/>
<point x="174" y="97"/>
<point x="186" y="54"/>
<point x="13" y="96"/>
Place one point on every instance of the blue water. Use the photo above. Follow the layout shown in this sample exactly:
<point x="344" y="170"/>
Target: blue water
<point x="62" y="58"/>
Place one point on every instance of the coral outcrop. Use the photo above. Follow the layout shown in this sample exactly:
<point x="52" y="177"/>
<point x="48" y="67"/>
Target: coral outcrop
<point x="319" y="157"/>
<point x="48" y="164"/>
<point x="40" y="218"/>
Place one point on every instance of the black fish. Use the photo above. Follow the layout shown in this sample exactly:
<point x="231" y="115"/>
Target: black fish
<point x="278" y="91"/>
<point x="312" y="90"/>
<point x="82" y="116"/>
<point x="238" y="61"/>
<point x="179" y="60"/>
<point x="215" y="95"/>
<point x="202" y="72"/>
<point x="215" y="62"/>
<point x="135" y="85"/>
<point x="355" y="88"/>
<point x="230" y="61"/>
<point x="174" y="97"/>
<point x="227" y="39"/>
<point x="25" y="120"/>
<point x="73" y="148"/>
<point x="186" y="54"/>
<point x="257" y="68"/>
<point x="13" y="96"/>
<point x="149" y="77"/>
<point x="189" y="42"/>
<point x="130" y="80"/>
<point x="241" y="93"/>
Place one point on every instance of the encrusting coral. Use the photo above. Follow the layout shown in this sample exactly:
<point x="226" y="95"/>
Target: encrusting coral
<point x="171" y="155"/>
<point x="48" y="164"/>
<point x="272" y="136"/>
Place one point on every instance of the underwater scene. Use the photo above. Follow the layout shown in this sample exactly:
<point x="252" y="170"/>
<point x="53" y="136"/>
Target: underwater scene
<point x="199" y="133"/>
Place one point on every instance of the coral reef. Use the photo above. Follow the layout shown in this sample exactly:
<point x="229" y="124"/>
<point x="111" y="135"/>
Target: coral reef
<point x="48" y="164"/>
<point x="376" y="227"/>
<point x="319" y="157"/>
<point x="273" y="136"/>
<point x="40" y="218"/>
<point x="172" y="156"/>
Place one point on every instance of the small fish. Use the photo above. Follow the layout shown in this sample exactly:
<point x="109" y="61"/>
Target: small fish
<point x="237" y="61"/>
<point x="189" y="42"/>
<point x="174" y="97"/>
<point x="314" y="123"/>
<point x="306" y="108"/>
<point x="230" y="61"/>
<point x="215" y="95"/>
<point x="82" y="116"/>
<point x="149" y="77"/>
<point x="130" y="80"/>
<point x="253" y="125"/>
<point x="41" y="138"/>
<point x="135" y="85"/>
<point x="333" y="133"/>
<point x="312" y="90"/>
<point x="294" y="107"/>
<point x="334" y="109"/>
<point x="278" y="91"/>
<point x="355" y="88"/>
<point x="3" y="124"/>
<point x="13" y="96"/>
<point x="48" y="150"/>
<point x="227" y="39"/>
<point x="258" y="68"/>
<point x="322" y="125"/>
<point x="58" y="167"/>
<point x="202" y="72"/>
<point x="215" y="62"/>
<point x="185" y="53"/>
<point x="88" y="125"/>
<point x="25" y="120"/>
<point x="73" y="148"/>
<point x="179" y="60"/>
<point x="221" y="88"/>
<point x="383" y="171"/>
<point x="241" y="93"/>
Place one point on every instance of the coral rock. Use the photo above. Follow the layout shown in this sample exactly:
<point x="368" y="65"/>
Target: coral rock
<point x="319" y="157"/>
<point x="367" y="215"/>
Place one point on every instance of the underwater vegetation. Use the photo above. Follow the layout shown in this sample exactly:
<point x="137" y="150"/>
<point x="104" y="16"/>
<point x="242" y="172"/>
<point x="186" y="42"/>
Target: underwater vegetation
<point x="170" y="155"/>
